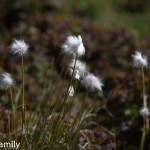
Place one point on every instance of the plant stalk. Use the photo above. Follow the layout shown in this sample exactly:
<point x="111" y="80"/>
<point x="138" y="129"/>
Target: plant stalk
<point x="145" y="125"/>
<point x="14" y="112"/>
<point x="23" y="103"/>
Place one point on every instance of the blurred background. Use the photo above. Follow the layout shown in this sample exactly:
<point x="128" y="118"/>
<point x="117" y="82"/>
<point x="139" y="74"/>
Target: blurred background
<point x="111" y="30"/>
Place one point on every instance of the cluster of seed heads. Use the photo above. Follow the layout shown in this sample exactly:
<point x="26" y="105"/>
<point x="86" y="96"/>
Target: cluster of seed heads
<point x="20" y="48"/>
<point x="73" y="46"/>
<point x="78" y="69"/>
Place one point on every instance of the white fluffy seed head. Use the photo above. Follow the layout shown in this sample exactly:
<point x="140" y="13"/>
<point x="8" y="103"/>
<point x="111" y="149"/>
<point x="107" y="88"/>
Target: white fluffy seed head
<point x="76" y="73"/>
<point x="6" y="81"/>
<point x="139" y="60"/>
<point x="79" y="70"/>
<point x="71" y="91"/>
<point x="74" y="46"/>
<point x="19" y="47"/>
<point x="92" y="82"/>
<point x="145" y="112"/>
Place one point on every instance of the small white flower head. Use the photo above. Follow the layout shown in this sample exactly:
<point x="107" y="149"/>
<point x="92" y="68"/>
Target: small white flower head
<point x="19" y="47"/>
<point x="92" y="82"/>
<point x="79" y="68"/>
<point x="144" y="112"/>
<point x="71" y="91"/>
<point x="139" y="60"/>
<point x="74" y="46"/>
<point x="6" y="81"/>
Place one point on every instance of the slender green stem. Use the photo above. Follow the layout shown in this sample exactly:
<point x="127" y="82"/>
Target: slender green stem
<point x="9" y="128"/>
<point x="143" y="87"/>
<point x="14" y="112"/>
<point x="23" y="106"/>
<point x="23" y="103"/>
<point x="143" y="135"/>
<point x="144" y="106"/>
<point x="144" y="100"/>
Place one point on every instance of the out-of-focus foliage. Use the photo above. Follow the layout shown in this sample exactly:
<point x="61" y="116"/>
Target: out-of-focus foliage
<point x="103" y="25"/>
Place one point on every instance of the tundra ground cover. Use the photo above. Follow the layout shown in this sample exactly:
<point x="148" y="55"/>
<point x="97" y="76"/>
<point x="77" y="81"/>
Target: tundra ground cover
<point x="109" y="118"/>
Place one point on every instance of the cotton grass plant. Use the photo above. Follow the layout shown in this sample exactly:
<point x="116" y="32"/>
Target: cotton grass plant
<point x="79" y="70"/>
<point x="6" y="83"/>
<point x="19" y="47"/>
<point x="50" y="126"/>
<point x="141" y="62"/>
<point x="30" y="137"/>
<point x="74" y="48"/>
<point x="92" y="83"/>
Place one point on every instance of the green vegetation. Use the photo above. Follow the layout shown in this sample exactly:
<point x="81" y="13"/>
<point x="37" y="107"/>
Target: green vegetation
<point x="111" y="30"/>
<point x="113" y="13"/>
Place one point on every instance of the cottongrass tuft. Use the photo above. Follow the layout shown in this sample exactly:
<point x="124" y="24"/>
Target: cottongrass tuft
<point x="145" y="112"/>
<point x="139" y="60"/>
<point x="92" y="83"/>
<point x="74" y="46"/>
<point x="71" y="91"/>
<point x="79" y="68"/>
<point x="6" y="81"/>
<point x="19" y="47"/>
